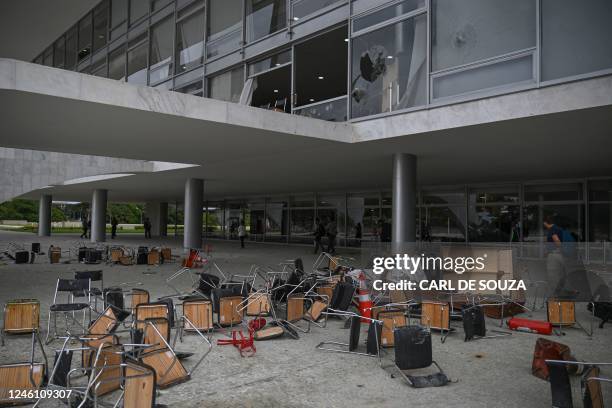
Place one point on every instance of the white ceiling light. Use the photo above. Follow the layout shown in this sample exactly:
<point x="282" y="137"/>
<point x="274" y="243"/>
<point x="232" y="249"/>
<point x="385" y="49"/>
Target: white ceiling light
<point x="321" y="77"/>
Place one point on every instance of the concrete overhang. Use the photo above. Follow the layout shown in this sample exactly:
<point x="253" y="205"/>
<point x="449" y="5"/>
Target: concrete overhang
<point x="561" y="131"/>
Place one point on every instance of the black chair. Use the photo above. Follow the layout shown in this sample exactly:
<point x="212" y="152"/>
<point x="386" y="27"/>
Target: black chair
<point x="413" y="351"/>
<point x="474" y="324"/>
<point x="560" y="384"/>
<point x="373" y="340"/>
<point x="69" y="286"/>
<point x="95" y="292"/>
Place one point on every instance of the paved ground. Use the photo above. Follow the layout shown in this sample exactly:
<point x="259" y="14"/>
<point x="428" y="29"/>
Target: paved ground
<point x="291" y="373"/>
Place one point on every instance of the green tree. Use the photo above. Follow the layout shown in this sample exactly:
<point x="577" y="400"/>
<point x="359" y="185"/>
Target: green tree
<point x="19" y="209"/>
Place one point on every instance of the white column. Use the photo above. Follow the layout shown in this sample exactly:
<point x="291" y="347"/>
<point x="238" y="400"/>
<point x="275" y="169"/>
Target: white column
<point x="404" y="198"/>
<point x="98" y="216"/>
<point x="194" y="201"/>
<point x="158" y="215"/>
<point x="44" y="215"/>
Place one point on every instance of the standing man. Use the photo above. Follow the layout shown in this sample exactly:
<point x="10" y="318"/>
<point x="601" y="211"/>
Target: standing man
<point x="241" y="233"/>
<point x="332" y="231"/>
<point x="114" y="224"/>
<point x="319" y="232"/>
<point x="84" y="226"/>
<point x="555" y="264"/>
<point x="147" y="227"/>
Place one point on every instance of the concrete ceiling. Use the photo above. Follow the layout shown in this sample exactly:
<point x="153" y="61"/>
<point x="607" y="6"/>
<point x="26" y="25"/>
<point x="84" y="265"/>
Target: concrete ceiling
<point x="242" y="151"/>
<point x="28" y="26"/>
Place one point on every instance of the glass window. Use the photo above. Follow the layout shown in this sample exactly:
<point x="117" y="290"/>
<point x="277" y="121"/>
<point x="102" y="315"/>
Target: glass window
<point x="321" y="68"/>
<point x="59" y="49"/>
<point x="118" y="12"/>
<point x="451" y="196"/>
<point x="71" y="48"/>
<point x="484" y="77"/>
<point x="303" y="8"/>
<point x="99" y="68"/>
<point x="473" y="30"/>
<point x="600" y="190"/>
<point x="387" y="13"/>
<point x="445" y="223"/>
<point x="566" y="216"/>
<point x="600" y="222"/>
<point x="116" y="64"/>
<point x="272" y="89"/>
<point x="215" y="220"/>
<point x="224" y="26"/>
<point x="161" y="50"/>
<point x="302" y="225"/>
<point x="494" y="223"/>
<point x="276" y="221"/>
<point x="158" y="4"/>
<point x="332" y="110"/>
<point x="85" y="37"/>
<point x="100" y="17"/>
<point x="306" y="200"/>
<point x="48" y="57"/>
<point x="389" y="68"/>
<point x="137" y="64"/>
<point x="575" y="37"/>
<point x="190" y="42"/>
<point x="274" y="61"/>
<point x="265" y="17"/>
<point x="227" y="86"/>
<point x="553" y="192"/>
<point x="138" y="9"/>
<point x="194" y="88"/>
<point x="488" y="195"/>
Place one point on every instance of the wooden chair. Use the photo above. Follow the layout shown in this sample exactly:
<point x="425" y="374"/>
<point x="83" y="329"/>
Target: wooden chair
<point x="23" y="376"/>
<point x="145" y="311"/>
<point x="20" y="316"/>
<point x="138" y="297"/>
<point x="229" y="313"/>
<point x="199" y="312"/>
<point x="391" y="319"/>
<point x="436" y="315"/>
<point x="139" y="386"/>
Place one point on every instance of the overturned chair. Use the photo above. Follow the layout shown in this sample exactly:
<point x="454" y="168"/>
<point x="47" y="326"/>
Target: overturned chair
<point x="23" y="377"/>
<point x="372" y="343"/>
<point x="413" y="351"/>
<point x="590" y="383"/>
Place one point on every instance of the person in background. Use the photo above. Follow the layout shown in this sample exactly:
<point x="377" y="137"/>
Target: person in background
<point x="84" y="226"/>
<point x="147" y="227"/>
<point x="88" y="228"/>
<point x="241" y="233"/>
<point x="332" y="231"/>
<point x="114" y="224"/>
<point x="318" y="235"/>
<point x="555" y="262"/>
<point x="358" y="233"/>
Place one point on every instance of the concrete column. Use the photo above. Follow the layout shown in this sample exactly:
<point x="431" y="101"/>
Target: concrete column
<point x="44" y="215"/>
<point x="98" y="216"/>
<point x="158" y="215"/>
<point x="404" y="198"/>
<point x="194" y="200"/>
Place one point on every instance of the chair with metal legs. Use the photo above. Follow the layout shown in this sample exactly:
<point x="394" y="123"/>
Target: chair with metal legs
<point x="69" y="286"/>
<point x="374" y="336"/>
<point x="96" y="292"/>
<point x="560" y="385"/>
<point x="23" y="377"/>
<point x="474" y="324"/>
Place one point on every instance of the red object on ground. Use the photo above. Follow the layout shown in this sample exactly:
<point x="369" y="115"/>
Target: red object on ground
<point x="530" y="326"/>
<point x="246" y="346"/>
<point x="365" y="305"/>
<point x="257" y="323"/>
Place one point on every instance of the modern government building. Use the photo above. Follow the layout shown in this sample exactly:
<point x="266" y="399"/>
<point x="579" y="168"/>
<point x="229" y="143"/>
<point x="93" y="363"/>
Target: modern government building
<point x="441" y="120"/>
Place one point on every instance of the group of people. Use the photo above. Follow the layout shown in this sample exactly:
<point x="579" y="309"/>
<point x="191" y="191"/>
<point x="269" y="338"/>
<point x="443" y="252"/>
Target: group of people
<point x="86" y="227"/>
<point x="329" y="230"/>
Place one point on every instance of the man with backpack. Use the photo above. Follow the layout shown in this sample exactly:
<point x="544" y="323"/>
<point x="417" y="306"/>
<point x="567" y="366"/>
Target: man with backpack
<point x="561" y="254"/>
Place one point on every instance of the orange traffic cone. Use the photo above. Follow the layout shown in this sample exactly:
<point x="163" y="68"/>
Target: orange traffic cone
<point x="365" y="304"/>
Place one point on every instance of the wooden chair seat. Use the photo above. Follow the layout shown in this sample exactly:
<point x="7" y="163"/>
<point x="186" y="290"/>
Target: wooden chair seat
<point x="168" y="369"/>
<point x="22" y="316"/>
<point x="198" y="312"/>
<point x="435" y="315"/>
<point x="17" y="377"/>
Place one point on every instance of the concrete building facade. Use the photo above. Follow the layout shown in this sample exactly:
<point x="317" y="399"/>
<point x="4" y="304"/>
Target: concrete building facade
<point x="402" y="120"/>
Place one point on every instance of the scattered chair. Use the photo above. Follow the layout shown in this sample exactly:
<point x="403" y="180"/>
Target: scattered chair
<point x="69" y="286"/>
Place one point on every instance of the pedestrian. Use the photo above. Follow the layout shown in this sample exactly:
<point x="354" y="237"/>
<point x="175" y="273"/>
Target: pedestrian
<point x="147" y="227"/>
<point x="556" y="262"/>
<point x="84" y="227"/>
<point x="241" y="233"/>
<point x="358" y="233"/>
<point x="319" y="233"/>
<point x="88" y="228"/>
<point x="332" y="230"/>
<point x="114" y="224"/>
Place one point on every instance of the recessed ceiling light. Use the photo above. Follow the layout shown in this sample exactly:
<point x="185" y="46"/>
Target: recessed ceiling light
<point x="296" y="18"/>
<point x="389" y="56"/>
<point x="276" y="91"/>
<point x="321" y="77"/>
<point x="311" y="100"/>
<point x="278" y="64"/>
<point x="346" y="40"/>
